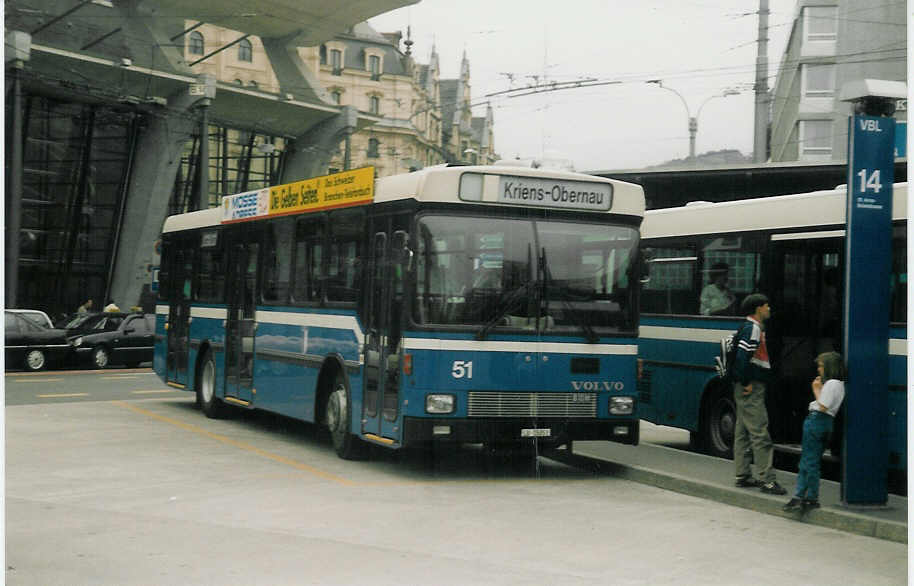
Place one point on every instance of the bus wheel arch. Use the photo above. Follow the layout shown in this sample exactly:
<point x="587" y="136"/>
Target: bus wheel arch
<point x="334" y="409"/>
<point x="205" y="384"/>
<point x="718" y="419"/>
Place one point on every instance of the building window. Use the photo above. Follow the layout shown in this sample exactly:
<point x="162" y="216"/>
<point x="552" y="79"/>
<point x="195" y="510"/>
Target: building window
<point x="245" y="51"/>
<point x="373" y="148"/>
<point x="195" y="43"/>
<point x="374" y="105"/>
<point x="815" y="138"/>
<point x="323" y="54"/>
<point x="336" y="61"/>
<point x="337" y="96"/>
<point x="821" y="23"/>
<point x="819" y="80"/>
<point x="374" y="66"/>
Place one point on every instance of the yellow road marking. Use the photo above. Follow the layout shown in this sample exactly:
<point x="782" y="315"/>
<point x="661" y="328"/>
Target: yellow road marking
<point x="238" y="444"/>
<point x="120" y="376"/>
<point x="59" y="395"/>
<point x="40" y="380"/>
<point x="152" y="392"/>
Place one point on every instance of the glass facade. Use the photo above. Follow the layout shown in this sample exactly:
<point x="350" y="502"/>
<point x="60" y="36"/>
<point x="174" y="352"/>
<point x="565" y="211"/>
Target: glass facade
<point x="238" y="161"/>
<point x="76" y="159"/>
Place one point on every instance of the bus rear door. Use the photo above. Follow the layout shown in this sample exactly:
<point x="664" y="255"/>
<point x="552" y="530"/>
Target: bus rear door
<point x="179" y="313"/>
<point x="806" y="293"/>
<point x="240" y="325"/>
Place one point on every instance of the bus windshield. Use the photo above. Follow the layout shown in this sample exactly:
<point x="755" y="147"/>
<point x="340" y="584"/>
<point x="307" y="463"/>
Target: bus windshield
<point x="536" y="275"/>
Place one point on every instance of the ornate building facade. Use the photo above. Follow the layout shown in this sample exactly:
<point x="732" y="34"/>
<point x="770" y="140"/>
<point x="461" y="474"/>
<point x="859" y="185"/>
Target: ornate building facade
<point x="414" y="118"/>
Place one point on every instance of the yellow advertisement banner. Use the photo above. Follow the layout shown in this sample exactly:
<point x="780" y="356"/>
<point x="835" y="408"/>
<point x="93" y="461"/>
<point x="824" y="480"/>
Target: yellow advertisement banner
<point x="349" y="188"/>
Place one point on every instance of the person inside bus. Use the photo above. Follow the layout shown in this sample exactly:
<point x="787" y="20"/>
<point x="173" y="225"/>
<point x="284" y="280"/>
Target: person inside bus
<point x="828" y="393"/>
<point x="716" y="297"/>
<point x="750" y="374"/>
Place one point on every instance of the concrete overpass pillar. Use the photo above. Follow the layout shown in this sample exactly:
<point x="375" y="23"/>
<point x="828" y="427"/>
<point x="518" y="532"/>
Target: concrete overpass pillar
<point x="315" y="148"/>
<point x="158" y="158"/>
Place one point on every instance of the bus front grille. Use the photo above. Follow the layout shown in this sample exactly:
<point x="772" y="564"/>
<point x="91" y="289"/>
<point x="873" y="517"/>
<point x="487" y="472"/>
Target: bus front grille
<point x="499" y="404"/>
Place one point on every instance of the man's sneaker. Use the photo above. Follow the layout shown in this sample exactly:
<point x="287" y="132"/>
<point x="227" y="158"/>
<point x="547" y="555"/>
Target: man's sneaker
<point x="747" y="482"/>
<point x="808" y="505"/>
<point x="773" y="488"/>
<point x="793" y="504"/>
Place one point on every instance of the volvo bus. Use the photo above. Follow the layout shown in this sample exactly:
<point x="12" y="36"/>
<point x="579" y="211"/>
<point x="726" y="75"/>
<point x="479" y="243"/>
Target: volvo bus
<point x="789" y="247"/>
<point x="493" y="305"/>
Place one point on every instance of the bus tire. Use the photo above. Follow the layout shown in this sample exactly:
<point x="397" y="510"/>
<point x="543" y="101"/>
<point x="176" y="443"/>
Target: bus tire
<point x="719" y="423"/>
<point x="337" y="416"/>
<point x="212" y="406"/>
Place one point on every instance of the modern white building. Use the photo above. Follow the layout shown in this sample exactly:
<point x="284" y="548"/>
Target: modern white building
<point x="831" y="43"/>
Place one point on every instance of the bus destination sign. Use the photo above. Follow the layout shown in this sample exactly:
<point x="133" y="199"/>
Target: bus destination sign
<point x="572" y="195"/>
<point x="349" y="188"/>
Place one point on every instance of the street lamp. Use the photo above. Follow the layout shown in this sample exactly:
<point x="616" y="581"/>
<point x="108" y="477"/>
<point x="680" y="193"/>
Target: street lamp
<point x="693" y="121"/>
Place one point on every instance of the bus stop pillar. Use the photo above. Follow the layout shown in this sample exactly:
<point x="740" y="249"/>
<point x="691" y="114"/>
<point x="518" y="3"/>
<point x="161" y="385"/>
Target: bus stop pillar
<point x="868" y="253"/>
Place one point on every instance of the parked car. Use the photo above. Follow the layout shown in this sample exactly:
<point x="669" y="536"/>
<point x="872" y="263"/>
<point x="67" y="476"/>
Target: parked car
<point x="30" y="343"/>
<point x="35" y="315"/>
<point x="102" y="339"/>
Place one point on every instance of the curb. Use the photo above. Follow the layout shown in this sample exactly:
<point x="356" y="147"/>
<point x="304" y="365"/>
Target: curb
<point x="833" y="518"/>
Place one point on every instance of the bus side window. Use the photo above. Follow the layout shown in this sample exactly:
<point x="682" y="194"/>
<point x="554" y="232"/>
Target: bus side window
<point x="277" y="261"/>
<point x="308" y="276"/>
<point x="346" y="228"/>
<point x="211" y="274"/>
<point x="165" y="270"/>
<point x="671" y="289"/>
<point x="742" y="257"/>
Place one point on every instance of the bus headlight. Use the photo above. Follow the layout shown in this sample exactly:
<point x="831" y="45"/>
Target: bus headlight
<point x="621" y="405"/>
<point x="439" y="404"/>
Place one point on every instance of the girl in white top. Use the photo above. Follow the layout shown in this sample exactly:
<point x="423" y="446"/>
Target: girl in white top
<point x="828" y="390"/>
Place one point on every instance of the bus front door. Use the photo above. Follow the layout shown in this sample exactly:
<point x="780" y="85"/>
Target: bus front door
<point x="179" y="318"/>
<point x="380" y="407"/>
<point x="806" y="293"/>
<point x="240" y="324"/>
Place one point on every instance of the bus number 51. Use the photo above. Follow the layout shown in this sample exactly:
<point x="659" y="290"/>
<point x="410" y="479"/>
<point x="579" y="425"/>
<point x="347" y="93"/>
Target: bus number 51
<point x="462" y="369"/>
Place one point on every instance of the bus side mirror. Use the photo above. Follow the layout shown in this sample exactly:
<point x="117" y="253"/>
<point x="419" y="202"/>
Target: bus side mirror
<point x="644" y="265"/>
<point x="401" y="244"/>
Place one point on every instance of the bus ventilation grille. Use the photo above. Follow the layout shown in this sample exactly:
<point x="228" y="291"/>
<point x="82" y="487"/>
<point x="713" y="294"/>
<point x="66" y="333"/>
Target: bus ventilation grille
<point x="645" y="396"/>
<point x="496" y="404"/>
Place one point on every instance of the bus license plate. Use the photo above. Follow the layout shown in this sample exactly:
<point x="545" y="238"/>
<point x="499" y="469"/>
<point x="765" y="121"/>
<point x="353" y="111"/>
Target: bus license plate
<point x="536" y="432"/>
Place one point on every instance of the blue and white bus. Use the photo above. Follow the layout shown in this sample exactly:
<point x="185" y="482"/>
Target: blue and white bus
<point x="789" y="247"/>
<point x="491" y="305"/>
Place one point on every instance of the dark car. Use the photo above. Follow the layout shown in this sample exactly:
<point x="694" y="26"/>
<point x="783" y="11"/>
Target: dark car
<point x="31" y="344"/>
<point x="102" y="339"/>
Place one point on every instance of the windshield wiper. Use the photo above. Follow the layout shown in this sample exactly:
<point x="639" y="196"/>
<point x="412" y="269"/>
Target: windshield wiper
<point x="589" y="334"/>
<point x="512" y="300"/>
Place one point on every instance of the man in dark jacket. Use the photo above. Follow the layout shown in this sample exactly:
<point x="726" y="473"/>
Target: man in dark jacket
<point x="751" y="369"/>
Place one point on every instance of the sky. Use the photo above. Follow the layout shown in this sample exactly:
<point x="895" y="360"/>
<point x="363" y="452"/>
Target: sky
<point x="699" y="48"/>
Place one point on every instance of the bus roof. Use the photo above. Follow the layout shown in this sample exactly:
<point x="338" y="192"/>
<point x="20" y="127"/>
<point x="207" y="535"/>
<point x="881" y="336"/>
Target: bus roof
<point x="817" y="208"/>
<point x="492" y="184"/>
<point x="444" y="184"/>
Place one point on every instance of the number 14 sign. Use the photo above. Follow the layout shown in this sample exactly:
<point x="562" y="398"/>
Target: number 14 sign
<point x="871" y="165"/>
<point x="872" y="162"/>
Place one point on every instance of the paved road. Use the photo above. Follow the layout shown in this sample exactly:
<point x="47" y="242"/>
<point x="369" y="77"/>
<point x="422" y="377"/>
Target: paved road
<point x="66" y="386"/>
<point x="142" y="489"/>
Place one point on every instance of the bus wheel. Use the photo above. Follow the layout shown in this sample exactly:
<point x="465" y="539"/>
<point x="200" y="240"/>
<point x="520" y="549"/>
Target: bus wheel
<point x="211" y="405"/>
<point x="337" y="418"/>
<point x="720" y="424"/>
